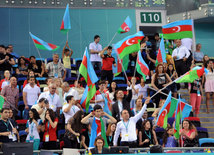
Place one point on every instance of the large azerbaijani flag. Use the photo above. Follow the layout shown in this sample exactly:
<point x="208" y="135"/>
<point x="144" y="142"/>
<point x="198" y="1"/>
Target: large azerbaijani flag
<point x="192" y="75"/>
<point x="66" y="24"/>
<point x="40" y="44"/>
<point x="178" y="30"/>
<point x="129" y="44"/>
<point x="97" y="129"/>
<point x="87" y="71"/>
<point x="141" y="66"/>
<point x="161" y="56"/>
<point x="126" y="26"/>
<point x="182" y="110"/>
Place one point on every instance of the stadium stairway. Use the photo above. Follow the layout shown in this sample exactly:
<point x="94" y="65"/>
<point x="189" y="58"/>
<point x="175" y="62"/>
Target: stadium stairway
<point x="207" y="119"/>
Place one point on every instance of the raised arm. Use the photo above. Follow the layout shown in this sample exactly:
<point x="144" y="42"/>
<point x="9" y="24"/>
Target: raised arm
<point x="85" y="120"/>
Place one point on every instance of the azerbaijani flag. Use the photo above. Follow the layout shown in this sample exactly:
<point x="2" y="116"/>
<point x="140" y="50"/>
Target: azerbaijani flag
<point x="178" y="30"/>
<point x="66" y="25"/>
<point x="182" y="110"/>
<point x="1" y="101"/>
<point x="97" y="129"/>
<point x="107" y="104"/>
<point x="126" y="26"/>
<point x="192" y="75"/>
<point x="40" y="44"/>
<point x="129" y="44"/>
<point x="161" y="56"/>
<point x="141" y="66"/>
<point x="87" y="96"/>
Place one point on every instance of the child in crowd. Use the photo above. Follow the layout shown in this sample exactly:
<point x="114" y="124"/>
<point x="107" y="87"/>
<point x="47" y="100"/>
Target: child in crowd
<point x="66" y="58"/>
<point x="168" y="137"/>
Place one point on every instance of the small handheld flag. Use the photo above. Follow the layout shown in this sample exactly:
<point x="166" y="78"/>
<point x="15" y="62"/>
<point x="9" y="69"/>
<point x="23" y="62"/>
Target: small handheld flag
<point x="126" y="26"/>
<point x="66" y="25"/>
<point x="161" y="56"/>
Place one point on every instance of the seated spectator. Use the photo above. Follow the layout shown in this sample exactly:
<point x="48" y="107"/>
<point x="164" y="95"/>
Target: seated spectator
<point x="73" y="130"/>
<point x="173" y="75"/>
<point x="41" y="108"/>
<point x="38" y="67"/>
<point x="69" y="91"/>
<point x="22" y="69"/>
<point x="66" y="58"/>
<point x="50" y="127"/>
<point x="78" y="88"/>
<point x="6" y="81"/>
<point x="33" y="128"/>
<point x="85" y="137"/>
<point x="157" y="110"/>
<point x="7" y="131"/>
<point x="112" y="89"/>
<point x="198" y="55"/>
<point x="55" y="69"/>
<point x="99" y="146"/>
<point x="6" y="60"/>
<point x="31" y="93"/>
<point x="141" y="121"/>
<point x="30" y="73"/>
<point x="147" y="135"/>
<point x="48" y="81"/>
<point x="110" y="133"/>
<point x="188" y="134"/>
<point x="168" y="138"/>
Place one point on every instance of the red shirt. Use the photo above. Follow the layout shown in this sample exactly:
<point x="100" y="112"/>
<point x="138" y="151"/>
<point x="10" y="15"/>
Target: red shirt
<point x="50" y="131"/>
<point x="108" y="61"/>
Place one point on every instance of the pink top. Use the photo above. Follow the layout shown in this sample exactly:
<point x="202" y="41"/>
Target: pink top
<point x="187" y="133"/>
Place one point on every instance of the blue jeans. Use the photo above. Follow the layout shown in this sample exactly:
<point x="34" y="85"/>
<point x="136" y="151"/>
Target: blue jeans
<point x="68" y="73"/>
<point x="26" y="113"/>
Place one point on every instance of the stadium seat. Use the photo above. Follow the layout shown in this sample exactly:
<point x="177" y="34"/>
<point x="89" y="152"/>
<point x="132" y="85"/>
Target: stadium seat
<point x="171" y="121"/>
<point x="206" y="142"/>
<point x="119" y="80"/>
<point x="78" y="62"/>
<point x="202" y="132"/>
<point x="122" y="86"/>
<point x="195" y="121"/>
<point x="22" y="135"/>
<point x="21" y="124"/>
<point x="40" y="59"/>
<point x="159" y="132"/>
<point x="49" y="60"/>
<point x="60" y="133"/>
<point x="71" y="80"/>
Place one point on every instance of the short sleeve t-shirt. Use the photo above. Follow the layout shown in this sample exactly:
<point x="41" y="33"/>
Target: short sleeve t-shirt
<point x="142" y="90"/>
<point x="71" y="113"/>
<point x="32" y="93"/>
<point x="33" y="132"/>
<point x="108" y="61"/>
<point x="95" y="47"/>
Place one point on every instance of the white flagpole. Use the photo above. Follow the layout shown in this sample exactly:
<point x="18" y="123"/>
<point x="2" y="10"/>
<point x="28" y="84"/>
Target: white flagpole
<point x="67" y="35"/>
<point x="36" y="47"/>
<point x="112" y="39"/>
<point x="194" y="41"/>
<point x="122" y="65"/>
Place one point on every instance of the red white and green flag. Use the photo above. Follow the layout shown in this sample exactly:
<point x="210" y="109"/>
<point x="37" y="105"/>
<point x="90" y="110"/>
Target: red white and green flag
<point x="126" y="26"/>
<point x="66" y="24"/>
<point x="178" y="30"/>
<point x="161" y="56"/>
<point x="129" y="44"/>
<point x="40" y="44"/>
<point x="141" y="66"/>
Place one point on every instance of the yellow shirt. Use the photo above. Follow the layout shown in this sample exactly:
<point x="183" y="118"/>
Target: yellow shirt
<point x="67" y="62"/>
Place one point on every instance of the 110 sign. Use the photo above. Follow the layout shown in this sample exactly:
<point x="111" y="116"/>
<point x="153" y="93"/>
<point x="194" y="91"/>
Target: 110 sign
<point x="150" y="17"/>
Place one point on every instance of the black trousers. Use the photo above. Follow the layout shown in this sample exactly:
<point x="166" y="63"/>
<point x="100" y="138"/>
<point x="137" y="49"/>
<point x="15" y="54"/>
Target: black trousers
<point x="131" y="144"/>
<point x="71" y="143"/>
<point x="51" y="145"/>
<point x="181" y="67"/>
<point x="107" y="75"/>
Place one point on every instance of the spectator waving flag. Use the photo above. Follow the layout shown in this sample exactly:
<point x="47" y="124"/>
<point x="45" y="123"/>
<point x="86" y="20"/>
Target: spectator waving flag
<point x="141" y="66"/>
<point x="66" y="25"/>
<point x="161" y="56"/>
<point x="87" y="71"/>
<point x="126" y="26"/>
<point x="40" y="44"/>
<point x="178" y="30"/>
<point x="129" y="44"/>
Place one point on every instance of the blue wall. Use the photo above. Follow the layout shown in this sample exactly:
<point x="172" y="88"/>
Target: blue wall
<point x="16" y="23"/>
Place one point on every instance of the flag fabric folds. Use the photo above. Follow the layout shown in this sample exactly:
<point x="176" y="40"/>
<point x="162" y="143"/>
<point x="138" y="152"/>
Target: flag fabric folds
<point x="178" y="30"/>
<point x="66" y="25"/>
<point x="192" y="75"/>
<point x="161" y="56"/>
<point x="141" y="66"/>
<point x="1" y="101"/>
<point x="129" y="44"/>
<point x="126" y="26"/>
<point x="40" y="44"/>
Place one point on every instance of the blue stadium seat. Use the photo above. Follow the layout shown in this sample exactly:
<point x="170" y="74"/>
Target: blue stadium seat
<point x="202" y="132"/>
<point x="206" y="142"/>
<point x="21" y="79"/>
<point x="171" y="121"/>
<point x="22" y="132"/>
<point x="49" y="60"/>
<point x="41" y="59"/>
<point x="60" y="132"/>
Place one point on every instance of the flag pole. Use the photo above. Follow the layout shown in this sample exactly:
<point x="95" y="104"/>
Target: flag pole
<point x="112" y="39"/>
<point x="194" y="43"/>
<point x="135" y="66"/>
<point x="67" y="36"/>
<point x="36" y="47"/>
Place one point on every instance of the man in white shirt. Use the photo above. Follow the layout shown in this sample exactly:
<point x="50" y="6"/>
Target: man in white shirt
<point x="69" y="108"/>
<point x="31" y="93"/>
<point x="69" y="91"/>
<point x="41" y="107"/>
<point x="53" y="98"/>
<point x="180" y="54"/>
<point x="95" y="48"/>
<point x="127" y="127"/>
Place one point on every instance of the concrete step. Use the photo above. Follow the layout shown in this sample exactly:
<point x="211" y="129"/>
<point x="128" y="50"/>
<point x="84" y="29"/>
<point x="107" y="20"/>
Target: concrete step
<point x="204" y="114"/>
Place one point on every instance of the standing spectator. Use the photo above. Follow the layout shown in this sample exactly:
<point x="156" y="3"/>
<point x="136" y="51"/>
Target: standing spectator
<point x="6" y="61"/>
<point x="37" y="66"/>
<point x="173" y="75"/>
<point x="99" y="146"/>
<point x="142" y="89"/>
<point x="66" y="58"/>
<point x="69" y="109"/>
<point x="73" y="131"/>
<point x="33" y="128"/>
<point x="187" y="42"/>
<point x="209" y="84"/>
<point x="110" y="133"/>
<point x="127" y="127"/>
<point x="205" y="60"/>
<point x="69" y="91"/>
<point x="168" y="138"/>
<point x="48" y="81"/>
<point x="121" y="102"/>
<point x="59" y="91"/>
<point x="134" y="92"/>
<point x="198" y="55"/>
<point x="6" y="81"/>
<point x="188" y="134"/>
<point x="31" y="93"/>
<point x="13" y="124"/>
<point x="41" y="108"/>
<point x="22" y="69"/>
<point x="56" y="69"/>
<point x="50" y="125"/>
<point x="78" y="88"/>
<point x="2" y="52"/>
<point x="52" y="97"/>
<point x="180" y="55"/>
<point x="7" y="132"/>
<point x="107" y="61"/>
<point x="157" y="42"/>
<point x="85" y="137"/>
<point x="112" y="90"/>
<point x="11" y="94"/>
<point x="132" y="62"/>
<point x="138" y="106"/>
<point x="30" y="73"/>
<point x="147" y="135"/>
<point x="95" y="48"/>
